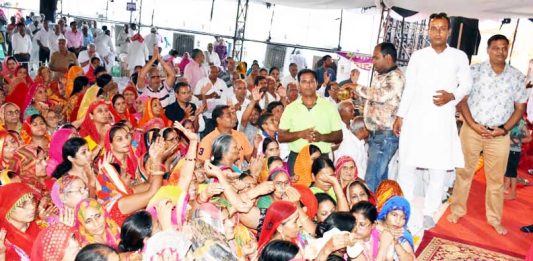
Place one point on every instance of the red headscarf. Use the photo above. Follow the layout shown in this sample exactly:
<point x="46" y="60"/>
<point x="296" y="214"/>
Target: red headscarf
<point x="276" y="214"/>
<point x="340" y="163"/>
<point x="87" y="127"/>
<point x="149" y="115"/>
<point x="10" y="195"/>
<point x="131" y="88"/>
<point x="6" y="73"/>
<point x="26" y="133"/>
<point x="308" y="199"/>
<point x="51" y="243"/>
<point x="31" y="93"/>
<point x="131" y="160"/>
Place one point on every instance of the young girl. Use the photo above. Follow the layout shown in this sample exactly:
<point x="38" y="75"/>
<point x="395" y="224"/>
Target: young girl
<point x="519" y="134"/>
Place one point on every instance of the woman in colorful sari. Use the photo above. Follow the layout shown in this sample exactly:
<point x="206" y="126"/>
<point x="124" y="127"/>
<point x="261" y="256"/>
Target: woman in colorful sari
<point x="139" y="107"/>
<point x="72" y="74"/>
<point x="358" y="191"/>
<point x="18" y="89"/>
<point x="55" y="243"/>
<point x="122" y="112"/>
<point x="54" y="90"/>
<point x="55" y="154"/>
<point x="35" y="131"/>
<point x="130" y="95"/>
<point x="30" y="163"/>
<point x="66" y="193"/>
<point x="17" y="220"/>
<point x="81" y="84"/>
<point x="10" y="117"/>
<point x="36" y="101"/>
<point x="9" y="68"/>
<point x="302" y="165"/>
<point x="8" y="146"/>
<point x="94" y="125"/>
<point x="395" y="243"/>
<point x="94" y="225"/>
<point x="122" y="197"/>
<point x="118" y="144"/>
<point x="153" y="109"/>
<point x="345" y="171"/>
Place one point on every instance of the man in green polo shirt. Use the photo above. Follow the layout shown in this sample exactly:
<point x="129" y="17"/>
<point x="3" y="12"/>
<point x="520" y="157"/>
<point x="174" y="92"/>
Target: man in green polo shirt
<point x="309" y="119"/>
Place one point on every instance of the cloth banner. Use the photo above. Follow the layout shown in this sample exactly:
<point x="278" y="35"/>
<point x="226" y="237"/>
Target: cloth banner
<point x="361" y="61"/>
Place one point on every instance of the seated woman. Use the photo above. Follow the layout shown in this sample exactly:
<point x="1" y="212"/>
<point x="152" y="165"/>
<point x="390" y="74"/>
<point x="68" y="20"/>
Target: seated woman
<point x="280" y="250"/>
<point x="9" y="145"/>
<point x="17" y="220"/>
<point x="93" y="127"/>
<point x="66" y="193"/>
<point x="55" y="154"/>
<point x="302" y="165"/>
<point x="18" y="89"/>
<point x="9" y="69"/>
<point x="81" y="84"/>
<point x="56" y="242"/>
<point x="326" y="206"/>
<point x="76" y="161"/>
<point x="54" y="89"/>
<point x="94" y="225"/>
<point x="280" y="179"/>
<point x="395" y="243"/>
<point x="139" y="107"/>
<point x="385" y="190"/>
<point x="115" y="189"/>
<point x="36" y="101"/>
<point x="29" y="162"/>
<point x="35" y="131"/>
<point x="10" y="117"/>
<point x="367" y="243"/>
<point x="73" y="72"/>
<point x="153" y="109"/>
<point x="324" y="181"/>
<point x="357" y="191"/>
<point x="130" y="95"/>
<point x="346" y="171"/>
<point x="225" y="153"/>
<point x="118" y="144"/>
<point x="122" y="112"/>
<point x="336" y="224"/>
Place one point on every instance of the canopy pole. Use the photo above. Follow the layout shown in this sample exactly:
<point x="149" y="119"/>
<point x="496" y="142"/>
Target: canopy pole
<point x="514" y="37"/>
<point x="340" y="31"/>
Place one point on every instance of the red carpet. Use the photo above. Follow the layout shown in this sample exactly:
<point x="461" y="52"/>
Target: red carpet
<point x="436" y="248"/>
<point x="473" y="229"/>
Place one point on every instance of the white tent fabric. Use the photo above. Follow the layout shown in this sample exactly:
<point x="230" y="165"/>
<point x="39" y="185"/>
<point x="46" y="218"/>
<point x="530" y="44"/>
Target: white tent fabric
<point x="481" y="9"/>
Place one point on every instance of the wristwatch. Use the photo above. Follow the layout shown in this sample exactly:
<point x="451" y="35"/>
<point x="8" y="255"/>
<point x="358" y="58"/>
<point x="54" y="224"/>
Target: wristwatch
<point x="504" y="129"/>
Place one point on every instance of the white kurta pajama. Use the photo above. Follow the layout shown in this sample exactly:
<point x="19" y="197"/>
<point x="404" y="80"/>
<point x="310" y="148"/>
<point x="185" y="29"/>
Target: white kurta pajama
<point x="429" y="138"/>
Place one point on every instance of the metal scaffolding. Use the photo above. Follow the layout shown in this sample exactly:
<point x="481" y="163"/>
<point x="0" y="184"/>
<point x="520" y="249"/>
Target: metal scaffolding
<point x="240" y="27"/>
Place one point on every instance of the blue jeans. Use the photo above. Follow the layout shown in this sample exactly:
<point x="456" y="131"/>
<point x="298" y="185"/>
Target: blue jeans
<point x="381" y="147"/>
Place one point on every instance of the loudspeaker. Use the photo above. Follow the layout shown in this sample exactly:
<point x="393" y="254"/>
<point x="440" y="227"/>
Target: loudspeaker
<point x="465" y="35"/>
<point x="49" y="8"/>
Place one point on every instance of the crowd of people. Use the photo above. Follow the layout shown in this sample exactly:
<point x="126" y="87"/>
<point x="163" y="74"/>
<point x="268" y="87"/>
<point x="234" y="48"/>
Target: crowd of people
<point x="209" y="159"/>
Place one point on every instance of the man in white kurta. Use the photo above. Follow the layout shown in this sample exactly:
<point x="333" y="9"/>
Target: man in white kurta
<point x="437" y="78"/>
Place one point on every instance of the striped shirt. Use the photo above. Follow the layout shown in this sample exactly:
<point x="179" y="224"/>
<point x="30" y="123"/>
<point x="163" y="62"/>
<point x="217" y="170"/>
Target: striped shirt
<point x="165" y="94"/>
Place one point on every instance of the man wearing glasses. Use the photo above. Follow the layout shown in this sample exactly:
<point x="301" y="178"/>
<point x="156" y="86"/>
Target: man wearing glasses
<point x="437" y="79"/>
<point x="163" y="90"/>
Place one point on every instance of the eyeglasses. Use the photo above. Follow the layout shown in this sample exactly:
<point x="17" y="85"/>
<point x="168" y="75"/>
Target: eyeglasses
<point x="13" y="113"/>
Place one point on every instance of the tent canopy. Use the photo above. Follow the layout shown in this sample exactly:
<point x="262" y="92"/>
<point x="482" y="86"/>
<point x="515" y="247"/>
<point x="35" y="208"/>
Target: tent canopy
<point x="481" y="9"/>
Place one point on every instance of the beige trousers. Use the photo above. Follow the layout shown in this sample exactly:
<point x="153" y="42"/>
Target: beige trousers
<point x="495" y="153"/>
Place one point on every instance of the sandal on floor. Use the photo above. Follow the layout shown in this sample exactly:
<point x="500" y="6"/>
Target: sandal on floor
<point x="522" y="181"/>
<point x="527" y="229"/>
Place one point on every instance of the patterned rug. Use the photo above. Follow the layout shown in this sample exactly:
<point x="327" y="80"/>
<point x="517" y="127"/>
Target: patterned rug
<point x="442" y="249"/>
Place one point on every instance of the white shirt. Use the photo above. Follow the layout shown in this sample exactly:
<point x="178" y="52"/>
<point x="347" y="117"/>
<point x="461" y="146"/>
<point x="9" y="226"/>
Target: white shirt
<point x="84" y="57"/>
<point x="21" y="44"/>
<point x="137" y="54"/>
<point x="353" y="147"/>
<point x="104" y="45"/>
<point x="212" y="58"/>
<point x="288" y="79"/>
<point x="268" y="98"/>
<point x="242" y="109"/>
<point x="429" y="137"/>
<point x="219" y="87"/>
<point x="43" y="36"/>
<point x="165" y="94"/>
<point x="152" y="40"/>
<point x="299" y="60"/>
<point x="52" y="41"/>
